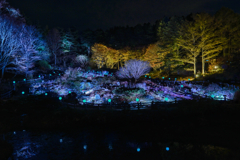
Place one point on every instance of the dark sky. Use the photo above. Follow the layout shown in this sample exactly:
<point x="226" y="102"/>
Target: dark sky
<point x="95" y="14"/>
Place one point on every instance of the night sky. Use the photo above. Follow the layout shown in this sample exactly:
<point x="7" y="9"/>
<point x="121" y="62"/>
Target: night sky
<point x="104" y="14"/>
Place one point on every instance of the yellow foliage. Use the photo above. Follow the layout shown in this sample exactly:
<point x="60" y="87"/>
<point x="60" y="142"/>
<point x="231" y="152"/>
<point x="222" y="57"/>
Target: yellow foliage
<point x="154" y="55"/>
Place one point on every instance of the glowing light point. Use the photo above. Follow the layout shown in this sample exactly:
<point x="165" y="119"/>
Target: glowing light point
<point x="24" y="79"/>
<point x="145" y="75"/>
<point x="138" y="149"/>
<point x="13" y="81"/>
<point x="84" y="101"/>
<point x="61" y="140"/>
<point x="69" y="92"/>
<point x="53" y="72"/>
<point x="149" y="76"/>
<point x="175" y="78"/>
<point x="60" y="98"/>
<point x="14" y="132"/>
<point x="23" y="92"/>
<point x="50" y="74"/>
<point x="166" y="99"/>
<point x="181" y="85"/>
<point x="45" y="94"/>
<point x="109" y="100"/>
<point x="167" y="148"/>
<point x="39" y="76"/>
<point x="162" y="77"/>
<point x="137" y="99"/>
<point x="110" y="147"/>
<point x="23" y="130"/>
<point x="85" y="147"/>
<point x="169" y="78"/>
<point x="188" y="79"/>
<point x="59" y="74"/>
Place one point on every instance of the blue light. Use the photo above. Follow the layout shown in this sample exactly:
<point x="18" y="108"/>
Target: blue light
<point x="61" y="140"/>
<point x="23" y="92"/>
<point x="166" y="99"/>
<point x="84" y="100"/>
<point x="50" y="74"/>
<point x="162" y="77"/>
<point x="60" y="98"/>
<point x="39" y="76"/>
<point x="137" y="99"/>
<point x="189" y="79"/>
<point x="45" y="94"/>
<point x="13" y="81"/>
<point x="206" y="60"/>
<point x="167" y="148"/>
<point x="109" y="100"/>
<point x="85" y="147"/>
<point x="93" y="75"/>
<point x="110" y="147"/>
<point x="138" y="149"/>
<point x="181" y="85"/>
<point x="59" y="74"/>
<point x="175" y="78"/>
<point x="24" y="79"/>
<point x="149" y="76"/>
<point x="169" y="78"/>
<point x="145" y="75"/>
<point x="53" y="72"/>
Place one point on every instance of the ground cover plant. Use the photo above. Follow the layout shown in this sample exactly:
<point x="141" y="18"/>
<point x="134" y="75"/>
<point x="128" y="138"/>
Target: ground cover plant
<point x="99" y="86"/>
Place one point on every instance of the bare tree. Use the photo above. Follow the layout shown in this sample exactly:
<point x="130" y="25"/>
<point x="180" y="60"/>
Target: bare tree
<point x="134" y="69"/>
<point x="82" y="60"/>
<point x="28" y="51"/>
<point x="54" y="43"/>
<point x="9" y="44"/>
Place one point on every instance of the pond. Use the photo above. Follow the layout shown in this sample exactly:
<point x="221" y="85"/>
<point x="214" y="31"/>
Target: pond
<point x="96" y="144"/>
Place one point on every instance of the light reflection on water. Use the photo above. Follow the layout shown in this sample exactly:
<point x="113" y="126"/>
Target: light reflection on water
<point x="59" y="145"/>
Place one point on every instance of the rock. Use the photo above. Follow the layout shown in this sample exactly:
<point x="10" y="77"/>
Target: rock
<point x="149" y="97"/>
<point x="142" y="85"/>
<point x="97" y="97"/>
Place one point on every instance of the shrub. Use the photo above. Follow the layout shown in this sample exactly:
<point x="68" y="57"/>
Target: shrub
<point x="44" y="64"/>
<point x="133" y="69"/>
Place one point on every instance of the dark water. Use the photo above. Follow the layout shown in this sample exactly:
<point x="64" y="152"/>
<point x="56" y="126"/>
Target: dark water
<point x="92" y="144"/>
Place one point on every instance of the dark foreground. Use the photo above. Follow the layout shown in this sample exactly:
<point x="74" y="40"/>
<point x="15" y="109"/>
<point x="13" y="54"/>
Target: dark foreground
<point x="210" y="128"/>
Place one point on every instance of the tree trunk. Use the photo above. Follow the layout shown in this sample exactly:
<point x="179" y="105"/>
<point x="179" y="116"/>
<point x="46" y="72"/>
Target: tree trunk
<point x="3" y="72"/>
<point x="203" y="64"/>
<point x="195" y="69"/>
<point x="55" y="57"/>
<point x="64" y="63"/>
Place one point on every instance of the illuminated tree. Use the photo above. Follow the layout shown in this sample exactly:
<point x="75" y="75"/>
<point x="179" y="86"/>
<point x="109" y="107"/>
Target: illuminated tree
<point x="54" y="43"/>
<point x="229" y="27"/>
<point x="28" y="51"/>
<point x="9" y="43"/>
<point x="210" y="41"/>
<point x="82" y="60"/>
<point x="99" y="54"/>
<point x="189" y="41"/>
<point x="155" y="55"/>
<point x="133" y="69"/>
<point x="168" y="32"/>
